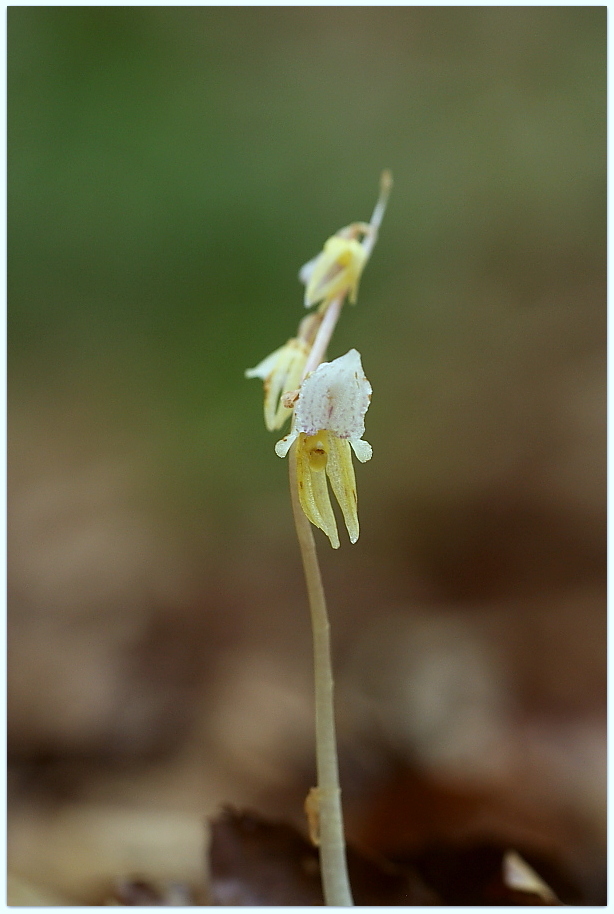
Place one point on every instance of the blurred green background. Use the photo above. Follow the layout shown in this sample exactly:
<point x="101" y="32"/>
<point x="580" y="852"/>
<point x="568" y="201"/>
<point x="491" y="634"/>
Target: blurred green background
<point x="169" y="171"/>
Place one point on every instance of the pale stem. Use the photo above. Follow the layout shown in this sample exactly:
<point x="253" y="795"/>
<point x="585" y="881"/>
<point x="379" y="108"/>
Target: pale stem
<point x="333" y="864"/>
<point x="325" y="331"/>
<point x="385" y="186"/>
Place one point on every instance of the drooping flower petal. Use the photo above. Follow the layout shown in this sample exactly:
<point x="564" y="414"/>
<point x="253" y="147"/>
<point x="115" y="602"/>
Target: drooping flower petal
<point x="340" y="472"/>
<point x="264" y="368"/>
<point x="305" y="272"/>
<point x="335" y="271"/>
<point x="281" y="372"/>
<point x="312" y="454"/>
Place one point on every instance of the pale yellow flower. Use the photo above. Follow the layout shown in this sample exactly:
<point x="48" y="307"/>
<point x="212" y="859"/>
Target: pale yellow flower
<point x="328" y="425"/>
<point x="338" y="267"/>
<point x="281" y="372"/>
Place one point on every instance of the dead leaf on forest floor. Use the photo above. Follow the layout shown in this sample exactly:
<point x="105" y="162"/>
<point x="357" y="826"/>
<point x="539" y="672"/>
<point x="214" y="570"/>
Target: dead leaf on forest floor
<point x="144" y="892"/>
<point x="258" y="863"/>
<point x="486" y="873"/>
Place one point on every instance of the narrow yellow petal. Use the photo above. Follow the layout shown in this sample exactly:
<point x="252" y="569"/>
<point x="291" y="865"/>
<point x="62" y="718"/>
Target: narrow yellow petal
<point x="311" y="459"/>
<point x="297" y="357"/>
<point x="273" y="389"/>
<point x="336" y="271"/>
<point x="354" y="290"/>
<point x="281" y="372"/>
<point x="343" y="482"/>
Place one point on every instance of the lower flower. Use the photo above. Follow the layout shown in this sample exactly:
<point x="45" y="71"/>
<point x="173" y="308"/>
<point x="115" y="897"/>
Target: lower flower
<point x="320" y="459"/>
<point x="328" y="425"/>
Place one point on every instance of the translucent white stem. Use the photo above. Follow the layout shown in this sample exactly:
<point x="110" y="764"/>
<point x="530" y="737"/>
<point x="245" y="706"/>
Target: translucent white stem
<point x="385" y="186"/>
<point x="333" y="864"/>
<point x="325" y="331"/>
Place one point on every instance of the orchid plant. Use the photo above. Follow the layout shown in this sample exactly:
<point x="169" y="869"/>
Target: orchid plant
<point x="326" y="402"/>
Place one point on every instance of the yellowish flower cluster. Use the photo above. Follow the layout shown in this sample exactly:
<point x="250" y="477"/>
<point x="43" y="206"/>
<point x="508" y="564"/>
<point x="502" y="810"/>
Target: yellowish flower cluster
<point x="336" y="271"/>
<point x="327" y="404"/>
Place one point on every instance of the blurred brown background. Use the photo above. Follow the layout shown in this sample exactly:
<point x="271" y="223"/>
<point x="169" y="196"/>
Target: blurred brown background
<point x="170" y="169"/>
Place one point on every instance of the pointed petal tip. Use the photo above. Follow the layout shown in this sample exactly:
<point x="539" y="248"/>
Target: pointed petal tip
<point x="362" y="449"/>
<point x="275" y="423"/>
<point x="386" y="181"/>
<point x="284" y="444"/>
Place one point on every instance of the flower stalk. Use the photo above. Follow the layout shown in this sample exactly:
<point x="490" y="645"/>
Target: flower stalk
<point x="333" y="865"/>
<point x="327" y="402"/>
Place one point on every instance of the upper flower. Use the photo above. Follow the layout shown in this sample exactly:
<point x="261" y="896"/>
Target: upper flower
<point x="328" y="420"/>
<point x="337" y="268"/>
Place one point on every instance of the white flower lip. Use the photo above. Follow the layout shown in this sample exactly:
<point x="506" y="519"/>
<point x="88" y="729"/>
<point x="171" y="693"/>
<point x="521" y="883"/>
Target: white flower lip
<point x="335" y="397"/>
